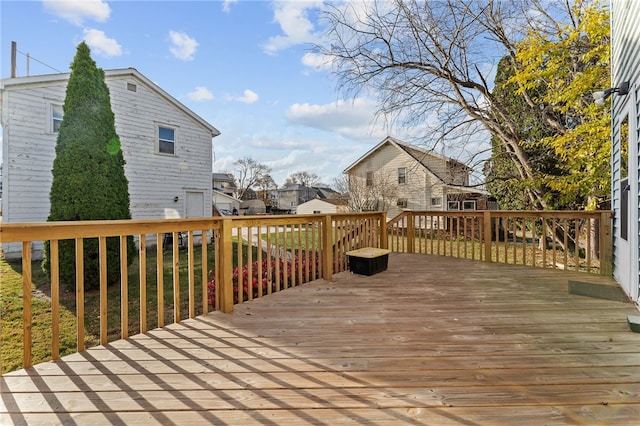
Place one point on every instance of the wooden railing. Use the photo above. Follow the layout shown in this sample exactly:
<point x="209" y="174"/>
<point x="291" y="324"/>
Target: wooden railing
<point x="577" y="240"/>
<point x="226" y="261"/>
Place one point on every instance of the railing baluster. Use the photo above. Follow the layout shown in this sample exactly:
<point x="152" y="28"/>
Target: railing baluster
<point x="249" y="264"/>
<point x="55" y="299"/>
<point x="142" y="262"/>
<point x="205" y="271"/>
<point x="261" y="289"/>
<point x="577" y="246"/>
<point x="124" y="289"/>
<point x="269" y="262"/>
<point x="176" y="278"/>
<point x="160" y="279"/>
<point x="192" y="278"/>
<point x="565" y="231"/>
<point x="239" y="266"/>
<point x="27" y="339"/>
<point x="589" y="225"/>
<point x="80" y="294"/>
<point x="300" y="278"/>
<point x="285" y="275"/>
<point x="277" y="256"/>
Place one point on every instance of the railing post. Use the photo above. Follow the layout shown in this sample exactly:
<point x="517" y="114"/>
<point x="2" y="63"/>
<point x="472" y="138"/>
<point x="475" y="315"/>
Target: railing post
<point x="606" y="244"/>
<point x="327" y="248"/>
<point x="487" y="235"/>
<point x="411" y="233"/>
<point x="384" y="239"/>
<point x="226" y="266"/>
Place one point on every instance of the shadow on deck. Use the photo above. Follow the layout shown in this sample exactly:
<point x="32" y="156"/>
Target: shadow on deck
<point x="432" y="340"/>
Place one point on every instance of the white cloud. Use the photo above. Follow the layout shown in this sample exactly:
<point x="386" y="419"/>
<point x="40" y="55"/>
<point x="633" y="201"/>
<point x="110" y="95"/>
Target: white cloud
<point x="182" y="47"/>
<point x="351" y="119"/>
<point x="297" y="28"/>
<point x="76" y="11"/>
<point x="226" y="5"/>
<point x="101" y="44"/>
<point x="249" y="97"/>
<point x="317" y="62"/>
<point x="200" y="93"/>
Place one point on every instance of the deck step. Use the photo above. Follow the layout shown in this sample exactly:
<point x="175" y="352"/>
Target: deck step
<point x="600" y="290"/>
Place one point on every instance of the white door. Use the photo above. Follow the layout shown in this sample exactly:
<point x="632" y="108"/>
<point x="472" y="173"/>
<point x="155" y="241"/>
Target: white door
<point x="626" y="234"/>
<point x="195" y="204"/>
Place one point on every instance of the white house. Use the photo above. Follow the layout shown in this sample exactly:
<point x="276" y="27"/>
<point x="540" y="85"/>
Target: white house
<point x="224" y="204"/>
<point x="393" y="176"/>
<point x="166" y="146"/>
<point x="625" y="69"/>
<point x="323" y="206"/>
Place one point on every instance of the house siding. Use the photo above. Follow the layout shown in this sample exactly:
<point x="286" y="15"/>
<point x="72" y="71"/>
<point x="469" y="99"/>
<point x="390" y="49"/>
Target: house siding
<point x="421" y="186"/>
<point x="310" y="207"/>
<point x="154" y="179"/>
<point x="625" y="66"/>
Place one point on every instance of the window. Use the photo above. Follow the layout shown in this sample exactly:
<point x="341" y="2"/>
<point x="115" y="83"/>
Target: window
<point x="132" y="87"/>
<point x="624" y="209"/>
<point x="166" y="140"/>
<point x="436" y="201"/>
<point x="469" y="205"/>
<point x="402" y="175"/>
<point x="624" y="179"/>
<point x="403" y="203"/>
<point x="56" y="117"/>
<point x="369" y="179"/>
<point x="453" y="205"/>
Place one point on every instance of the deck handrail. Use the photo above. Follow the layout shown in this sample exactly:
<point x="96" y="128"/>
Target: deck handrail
<point x="579" y="240"/>
<point x="282" y="251"/>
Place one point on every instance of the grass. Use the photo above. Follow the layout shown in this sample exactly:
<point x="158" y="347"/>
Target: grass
<point x="11" y="305"/>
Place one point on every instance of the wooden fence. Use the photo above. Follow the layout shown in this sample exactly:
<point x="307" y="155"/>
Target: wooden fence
<point x="577" y="240"/>
<point x="227" y="260"/>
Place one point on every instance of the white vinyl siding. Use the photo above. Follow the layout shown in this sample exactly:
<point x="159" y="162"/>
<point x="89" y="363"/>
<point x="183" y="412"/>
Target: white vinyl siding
<point x="154" y="180"/>
<point x="625" y="66"/>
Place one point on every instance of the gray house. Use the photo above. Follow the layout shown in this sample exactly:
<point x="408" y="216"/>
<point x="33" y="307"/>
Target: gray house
<point x="625" y="126"/>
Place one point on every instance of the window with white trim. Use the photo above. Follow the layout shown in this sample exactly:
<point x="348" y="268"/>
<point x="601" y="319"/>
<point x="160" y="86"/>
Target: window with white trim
<point x="453" y="205"/>
<point x="402" y="175"/>
<point x="57" y="113"/>
<point x="166" y="140"/>
<point x="469" y="205"/>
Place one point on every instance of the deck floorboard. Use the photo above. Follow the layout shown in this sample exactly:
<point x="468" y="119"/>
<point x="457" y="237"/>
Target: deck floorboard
<point x="432" y="340"/>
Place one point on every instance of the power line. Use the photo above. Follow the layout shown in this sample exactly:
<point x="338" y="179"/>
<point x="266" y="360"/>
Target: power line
<point x="39" y="61"/>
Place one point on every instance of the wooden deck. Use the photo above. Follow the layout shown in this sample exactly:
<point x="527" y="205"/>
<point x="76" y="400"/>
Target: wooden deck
<point x="432" y="340"/>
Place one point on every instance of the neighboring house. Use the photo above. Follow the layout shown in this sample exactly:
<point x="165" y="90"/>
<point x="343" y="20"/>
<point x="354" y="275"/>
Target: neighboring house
<point x="166" y="146"/>
<point x="224" y="183"/>
<point x="326" y="193"/>
<point x="394" y="176"/>
<point x="289" y="197"/>
<point x="323" y="206"/>
<point x="252" y="207"/>
<point x="625" y="67"/>
<point x="224" y="204"/>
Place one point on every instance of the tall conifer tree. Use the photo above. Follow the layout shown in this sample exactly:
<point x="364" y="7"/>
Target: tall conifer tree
<point x="89" y="182"/>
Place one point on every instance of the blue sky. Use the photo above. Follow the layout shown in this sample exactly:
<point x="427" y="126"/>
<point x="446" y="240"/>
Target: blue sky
<point x="244" y="66"/>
